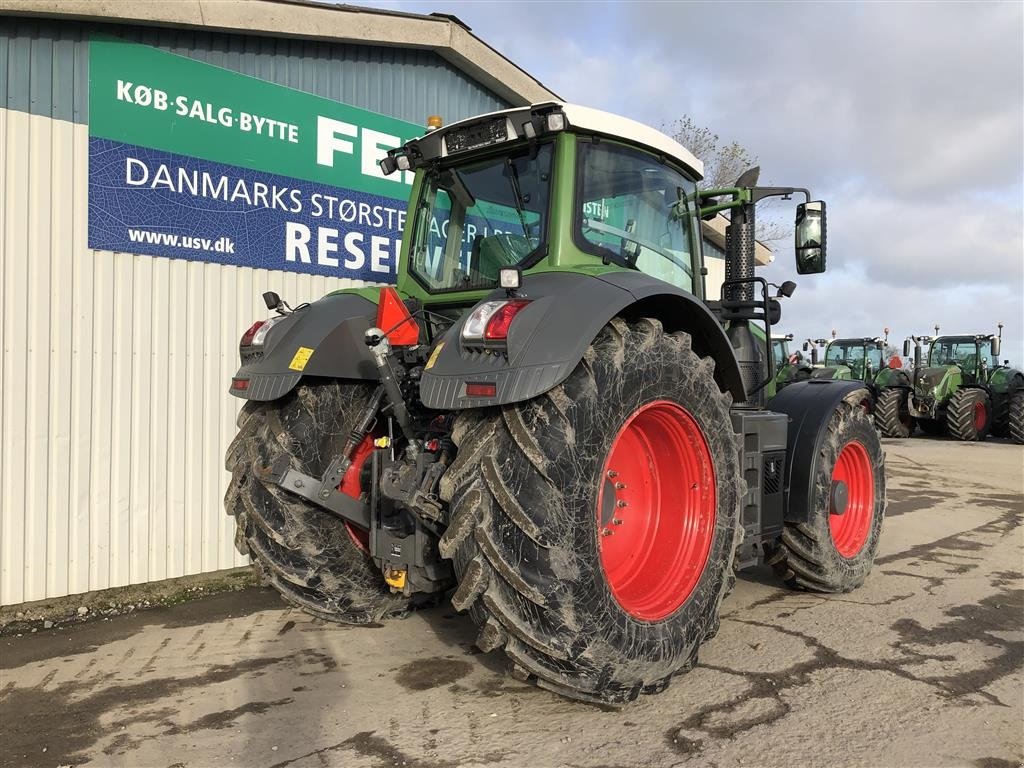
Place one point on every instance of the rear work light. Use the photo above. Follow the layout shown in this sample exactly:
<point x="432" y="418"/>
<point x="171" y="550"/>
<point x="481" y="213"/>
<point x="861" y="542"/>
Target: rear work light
<point x="491" y="320"/>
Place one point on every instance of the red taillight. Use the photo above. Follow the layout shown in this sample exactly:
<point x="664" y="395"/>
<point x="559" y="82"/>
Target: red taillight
<point x="481" y="390"/>
<point x="497" y="326"/>
<point x="248" y="335"/>
<point x="240" y="384"/>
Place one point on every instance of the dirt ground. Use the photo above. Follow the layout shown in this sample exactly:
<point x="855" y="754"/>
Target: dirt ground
<point x="920" y="667"/>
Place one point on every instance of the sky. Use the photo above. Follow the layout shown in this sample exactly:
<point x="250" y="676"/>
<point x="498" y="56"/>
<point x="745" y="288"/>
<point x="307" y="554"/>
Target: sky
<point x="907" y="118"/>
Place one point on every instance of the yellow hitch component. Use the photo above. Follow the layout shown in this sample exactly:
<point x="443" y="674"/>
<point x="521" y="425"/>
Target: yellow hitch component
<point x="382" y="442"/>
<point x="395" y="576"/>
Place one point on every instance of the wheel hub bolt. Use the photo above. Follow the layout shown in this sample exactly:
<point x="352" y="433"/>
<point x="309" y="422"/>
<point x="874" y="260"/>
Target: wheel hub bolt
<point x="607" y="531"/>
<point x="621" y="503"/>
<point x="612" y="474"/>
<point x="616" y="521"/>
<point x="620" y="486"/>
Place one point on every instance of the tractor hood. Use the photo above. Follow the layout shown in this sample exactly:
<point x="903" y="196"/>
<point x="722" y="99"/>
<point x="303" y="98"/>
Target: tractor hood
<point x="940" y="381"/>
<point x="892" y="377"/>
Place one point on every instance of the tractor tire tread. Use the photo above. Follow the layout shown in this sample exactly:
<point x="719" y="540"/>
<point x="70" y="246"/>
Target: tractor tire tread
<point x="508" y="542"/>
<point x="307" y="556"/>
<point x="805" y="558"/>
<point x="960" y="415"/>
<point x="887" y="414"/>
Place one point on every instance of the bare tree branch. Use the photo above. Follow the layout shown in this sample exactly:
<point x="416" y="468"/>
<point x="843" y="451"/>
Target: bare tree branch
<point x="723" y="165"/>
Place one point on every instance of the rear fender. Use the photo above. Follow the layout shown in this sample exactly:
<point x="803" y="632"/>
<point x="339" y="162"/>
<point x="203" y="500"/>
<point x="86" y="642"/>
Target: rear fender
<point x="549" y="337"/>
<point x="326" y="338"/>
<point x="809" y="406"/>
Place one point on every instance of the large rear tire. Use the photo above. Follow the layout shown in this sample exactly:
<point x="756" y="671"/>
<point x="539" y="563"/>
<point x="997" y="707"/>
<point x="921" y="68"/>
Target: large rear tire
<point x="892" y="417"/>
<point x="594" y="528"/>
<point x="969" y="415"/>
<point x="1016" y="417"/>
<point x="314" y="560"/>
<point x="835" y="550"/>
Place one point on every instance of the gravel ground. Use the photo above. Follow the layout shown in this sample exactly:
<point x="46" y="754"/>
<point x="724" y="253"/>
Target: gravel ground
<point x="920" y="667"/>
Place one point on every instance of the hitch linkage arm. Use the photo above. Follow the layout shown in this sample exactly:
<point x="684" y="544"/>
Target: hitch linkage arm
<point x="324" y="491"/>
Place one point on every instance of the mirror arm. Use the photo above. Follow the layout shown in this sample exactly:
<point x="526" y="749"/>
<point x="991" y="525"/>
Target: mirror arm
<point x="759" y="193"/>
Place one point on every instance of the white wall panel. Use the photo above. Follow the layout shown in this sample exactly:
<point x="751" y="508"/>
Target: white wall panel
<point x="114" y="412"/>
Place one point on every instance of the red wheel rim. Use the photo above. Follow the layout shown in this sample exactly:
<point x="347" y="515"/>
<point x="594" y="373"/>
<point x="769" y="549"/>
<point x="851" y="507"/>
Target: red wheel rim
<point x="979" y="415"/>
<point x="352" y="485"/>
<point x="850" y="529"/>
<point x="656" y="510"/>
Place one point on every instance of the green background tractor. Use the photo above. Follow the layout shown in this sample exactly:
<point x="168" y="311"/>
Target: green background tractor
<point x="547" y="418"/>
<point x="963" y="390"/>
<point x="787" y="372"/>
<point x="861" y="359"/>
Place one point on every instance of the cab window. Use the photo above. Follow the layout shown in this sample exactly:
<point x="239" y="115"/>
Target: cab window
<point x="637" y="212"/>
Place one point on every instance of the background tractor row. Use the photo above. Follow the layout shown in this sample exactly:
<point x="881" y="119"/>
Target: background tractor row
<point x="961" y="390"/>
<point x="547" y="419"/>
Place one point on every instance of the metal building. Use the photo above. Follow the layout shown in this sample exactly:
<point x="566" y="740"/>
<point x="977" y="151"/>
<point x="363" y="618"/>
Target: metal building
<point x="119" y="328"/>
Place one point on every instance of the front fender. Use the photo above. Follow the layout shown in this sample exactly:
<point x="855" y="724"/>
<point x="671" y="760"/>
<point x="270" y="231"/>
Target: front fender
<point x="809" y="406"/>
<point x="549" y="337"/>
<point x="325" y="338"/>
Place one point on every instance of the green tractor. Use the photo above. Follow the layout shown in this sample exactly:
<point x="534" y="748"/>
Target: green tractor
<point x="547" y="419"/>
<point x="853" y="359"/>
<point x="857" y="359"/>
<point x="790" y="367"/>
<point x="963" y="390"/>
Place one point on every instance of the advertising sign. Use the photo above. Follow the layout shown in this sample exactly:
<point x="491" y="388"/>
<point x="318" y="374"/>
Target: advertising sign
<point x="191" y="161"/>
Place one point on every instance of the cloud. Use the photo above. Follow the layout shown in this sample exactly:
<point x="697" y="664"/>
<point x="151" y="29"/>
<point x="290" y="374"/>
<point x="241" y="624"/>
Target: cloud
<point x="905" y="117"/>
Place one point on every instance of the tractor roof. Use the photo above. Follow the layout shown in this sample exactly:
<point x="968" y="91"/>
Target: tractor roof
<point x="586" y="119"/>
<point x="611" y="124"/>
<point x="963" y="337"/>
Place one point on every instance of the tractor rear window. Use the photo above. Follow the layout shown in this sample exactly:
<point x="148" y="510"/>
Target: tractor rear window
<point x="474" y="218"/>
<point x="636" y="211"/>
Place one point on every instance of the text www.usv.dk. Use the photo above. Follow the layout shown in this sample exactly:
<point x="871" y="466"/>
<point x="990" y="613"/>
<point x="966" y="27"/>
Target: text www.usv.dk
<point x="220" y="245"/>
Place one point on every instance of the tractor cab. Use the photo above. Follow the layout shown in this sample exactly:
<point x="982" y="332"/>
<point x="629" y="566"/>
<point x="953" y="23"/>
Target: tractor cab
<point x="548" y="187"/>
<point x="862" y="358"/>
<point x="854" y="359"/>
<point x="975" y="355"/>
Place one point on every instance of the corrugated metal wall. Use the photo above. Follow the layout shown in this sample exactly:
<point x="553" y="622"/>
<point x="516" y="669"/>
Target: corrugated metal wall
<point x="47" y="70"/>
<point x="114" y="414"/>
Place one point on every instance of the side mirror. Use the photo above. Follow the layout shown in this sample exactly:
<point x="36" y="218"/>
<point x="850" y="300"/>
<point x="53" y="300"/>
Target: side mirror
<point x="787" y="289"/>
<point x="805" y="346"/>
<point x="814" y="355"/>
<point x="810" y="238"/>
<point x="906" y="347"/>
<point x="995" y="346"/>
<point x="774" y="311"/>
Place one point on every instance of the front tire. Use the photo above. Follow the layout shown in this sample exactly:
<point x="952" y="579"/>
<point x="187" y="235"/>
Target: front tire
<point x="835" y="549"/>
<point x="969" y="415"/>
<point x="311" y="558"/>
<point x="1016" y="417"/>
<point x="539" y="491"/>
<point x="892" y="416"/>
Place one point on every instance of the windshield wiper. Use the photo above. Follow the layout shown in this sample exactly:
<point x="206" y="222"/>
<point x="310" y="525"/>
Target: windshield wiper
<point x="517" y="194"/>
